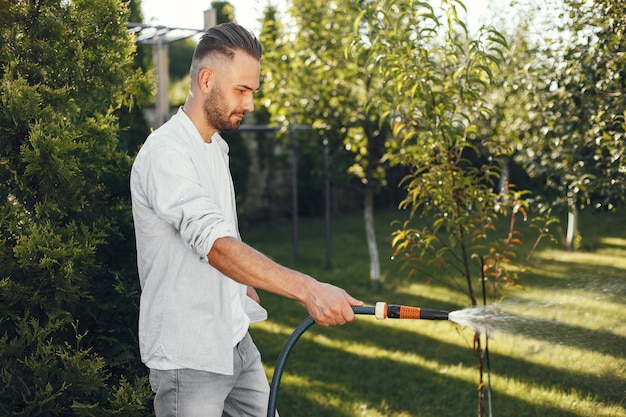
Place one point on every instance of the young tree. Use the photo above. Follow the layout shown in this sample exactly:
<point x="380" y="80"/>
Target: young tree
<point x="68" y="287"/>
<point x="310" y="80"/>
<point x="576" y="138"/>
<point x="515" y="90"/>
<point x="434" y="82"/>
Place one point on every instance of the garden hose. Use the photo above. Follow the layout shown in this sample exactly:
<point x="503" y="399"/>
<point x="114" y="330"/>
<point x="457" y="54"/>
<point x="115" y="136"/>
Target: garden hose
<point x="382" y="311"/>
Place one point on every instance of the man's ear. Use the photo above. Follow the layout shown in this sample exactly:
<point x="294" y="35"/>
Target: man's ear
<point x="206" y="77"/>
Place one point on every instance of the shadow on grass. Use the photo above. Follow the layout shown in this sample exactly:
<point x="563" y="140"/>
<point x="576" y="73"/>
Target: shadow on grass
<point x="401" y="388"/>
<point x="593" y="286"/>
<point x="409" y="389"/>
<point x="602" y="387"/>
<point x="597" y="280"/>
<point x="555" y="332"/>
<point x="548" y="330"/>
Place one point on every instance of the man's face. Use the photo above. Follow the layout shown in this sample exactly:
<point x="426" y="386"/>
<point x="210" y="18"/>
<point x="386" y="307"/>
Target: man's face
<point x="231" y="96"/>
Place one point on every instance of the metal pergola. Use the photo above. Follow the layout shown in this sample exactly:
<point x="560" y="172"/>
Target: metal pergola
<point x="160" y="37"/>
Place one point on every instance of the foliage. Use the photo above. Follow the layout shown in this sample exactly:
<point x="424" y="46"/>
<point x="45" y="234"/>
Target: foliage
<point x="179" y="56"/>
<point x="225" y="11"/>
<point x="68" y="287"/>
<point x="133" y="126"/>
<point x="296" y="86"/>
<point x="434" y="80"/>
<point x="320" y="85"/>
<point x="576" y="136"/>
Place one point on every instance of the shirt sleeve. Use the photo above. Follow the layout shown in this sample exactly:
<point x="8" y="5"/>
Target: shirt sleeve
<point x="179" y="196"/>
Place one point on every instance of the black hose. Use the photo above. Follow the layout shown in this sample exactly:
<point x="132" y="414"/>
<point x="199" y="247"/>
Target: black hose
<point x="286" y="351"/>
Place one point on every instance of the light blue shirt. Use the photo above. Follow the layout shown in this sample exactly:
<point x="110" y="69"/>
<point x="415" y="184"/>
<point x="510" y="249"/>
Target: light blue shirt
<point x="183" y="201"/>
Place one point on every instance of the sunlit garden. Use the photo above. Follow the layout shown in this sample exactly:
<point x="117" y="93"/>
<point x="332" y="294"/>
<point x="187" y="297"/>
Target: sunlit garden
<point x="564" y="355"/>
<point x="395" y="150"/>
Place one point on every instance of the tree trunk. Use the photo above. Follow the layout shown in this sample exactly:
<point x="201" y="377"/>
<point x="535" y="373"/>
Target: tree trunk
<point x="481" y="366"/>
<point x="572" y="226"/>
<point x="370" y="234"/>
<point x="504" y="177"/>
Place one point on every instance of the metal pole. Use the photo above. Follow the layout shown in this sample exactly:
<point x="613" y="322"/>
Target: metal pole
<point x="210" y="18"/>
<point x="327" y="202"/>
<point x="294" y="193"/>
<point x="162" y="105"/>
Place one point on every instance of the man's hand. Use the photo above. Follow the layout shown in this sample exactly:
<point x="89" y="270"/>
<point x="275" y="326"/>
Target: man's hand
<point x="251" y="292"/>
<point x="329" y="305"/>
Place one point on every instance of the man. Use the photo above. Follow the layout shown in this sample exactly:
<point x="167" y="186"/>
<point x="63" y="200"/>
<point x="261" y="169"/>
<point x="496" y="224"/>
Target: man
<point x="197" y="277"/>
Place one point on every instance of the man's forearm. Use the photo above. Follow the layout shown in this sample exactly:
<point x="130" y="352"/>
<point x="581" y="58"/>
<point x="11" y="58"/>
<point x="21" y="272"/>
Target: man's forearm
<point x="327" y="304"/>
<point x="246" y="265"/>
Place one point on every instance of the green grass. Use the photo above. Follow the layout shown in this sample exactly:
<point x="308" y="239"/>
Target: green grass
<point x="569" y="361"/>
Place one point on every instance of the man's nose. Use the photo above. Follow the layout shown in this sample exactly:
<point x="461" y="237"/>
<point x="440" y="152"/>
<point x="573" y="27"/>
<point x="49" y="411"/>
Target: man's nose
<point x="248" y="104"/>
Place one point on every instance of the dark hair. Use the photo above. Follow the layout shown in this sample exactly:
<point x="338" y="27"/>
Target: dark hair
<point x="225" y="39"/>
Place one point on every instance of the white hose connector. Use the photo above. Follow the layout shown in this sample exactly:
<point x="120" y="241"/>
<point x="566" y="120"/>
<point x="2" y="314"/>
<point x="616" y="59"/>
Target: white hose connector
<point x="380" y="311"/>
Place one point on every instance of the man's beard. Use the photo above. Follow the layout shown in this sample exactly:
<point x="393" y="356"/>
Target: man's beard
<point x="217" y="113"/>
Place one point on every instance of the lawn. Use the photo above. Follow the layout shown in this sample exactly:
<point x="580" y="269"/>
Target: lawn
<point x="565" y="357"/>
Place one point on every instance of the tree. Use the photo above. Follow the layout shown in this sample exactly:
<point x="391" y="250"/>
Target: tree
<point x="515" y="91"/>
<point x="576" y="141"/>
<point x="133" y="126"/>
<point x="308" y="79"/>
<point x="225" y="11"/>
<point x="460" y="229"/>
<point x="68" y="285"/>
<point x="180" y="54"/>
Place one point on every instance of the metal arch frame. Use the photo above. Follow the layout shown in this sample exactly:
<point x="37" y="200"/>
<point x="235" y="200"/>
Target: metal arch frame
<point x="159" y="37"/>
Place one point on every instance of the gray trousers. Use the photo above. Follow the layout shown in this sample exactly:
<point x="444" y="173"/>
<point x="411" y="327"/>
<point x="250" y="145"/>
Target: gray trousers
<point x="191" y="393"/>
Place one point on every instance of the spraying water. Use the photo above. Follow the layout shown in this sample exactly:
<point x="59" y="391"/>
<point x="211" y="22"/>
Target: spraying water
<point x="481" y="319"/>
<point x="491" y="319"/>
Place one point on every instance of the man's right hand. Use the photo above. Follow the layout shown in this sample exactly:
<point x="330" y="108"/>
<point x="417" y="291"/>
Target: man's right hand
<point x="329" y="305"/>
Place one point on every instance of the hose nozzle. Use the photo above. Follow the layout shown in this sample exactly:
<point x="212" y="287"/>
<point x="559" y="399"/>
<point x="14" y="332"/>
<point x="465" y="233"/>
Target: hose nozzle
<point x="395" y="311"/>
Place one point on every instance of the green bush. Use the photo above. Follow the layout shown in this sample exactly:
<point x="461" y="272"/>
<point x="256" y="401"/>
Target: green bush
<point x="68" y="289"/>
